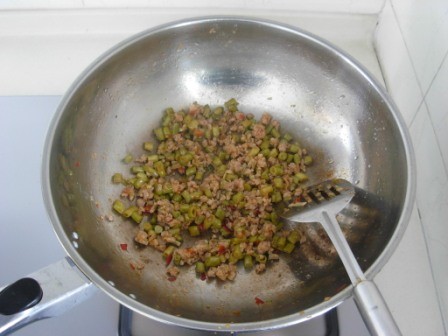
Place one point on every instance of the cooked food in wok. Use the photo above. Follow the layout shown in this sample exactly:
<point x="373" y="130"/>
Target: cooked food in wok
<point x="221" y="176"/>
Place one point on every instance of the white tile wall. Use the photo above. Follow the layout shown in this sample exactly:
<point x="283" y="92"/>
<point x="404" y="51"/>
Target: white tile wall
<point x="412" y="46"/>
<point x="398" y="72"/>
<point x="424" y="25"/>
<point x="437" y="102"/>
<point x="423" y="302"/>
<point x="432" y="201"/>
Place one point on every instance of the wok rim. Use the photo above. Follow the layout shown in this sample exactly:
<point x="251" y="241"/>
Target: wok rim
<point x="166" y="318"/>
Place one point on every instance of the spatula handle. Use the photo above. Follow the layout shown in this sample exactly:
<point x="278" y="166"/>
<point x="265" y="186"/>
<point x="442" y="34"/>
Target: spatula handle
<point x="374" y="310"/>
<point x="345" y="253"/>
<point x="368" y="298"/>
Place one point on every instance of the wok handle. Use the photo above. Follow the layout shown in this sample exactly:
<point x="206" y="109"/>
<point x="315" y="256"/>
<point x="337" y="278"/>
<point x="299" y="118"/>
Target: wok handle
<point x="374" y="310"/>
<point x="46" y="293"/>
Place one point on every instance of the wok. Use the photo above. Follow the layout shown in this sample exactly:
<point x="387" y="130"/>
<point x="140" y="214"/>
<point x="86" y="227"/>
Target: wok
<point x="322" y="96"/>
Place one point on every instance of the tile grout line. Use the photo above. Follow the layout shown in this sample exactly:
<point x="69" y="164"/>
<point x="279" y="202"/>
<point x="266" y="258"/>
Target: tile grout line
<point x="414" y="115"/>
<point x="416" y="112"/>
<point x="435" y="75"/>
<point x="445" y="168"/>
<point x="407" y="48"/>
<point x="424" y="231"/>
<point x="416" y="201"/>
<point x="423" y="102"/>
<point x="436" y="289"/>
<point x="410" y="59"/>
<point x="445" y="58"/>
<point x="380" y="65"/>
<point x="426" y="239"/>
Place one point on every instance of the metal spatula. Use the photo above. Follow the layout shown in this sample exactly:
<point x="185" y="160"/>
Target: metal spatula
<point x="323" y="202"/>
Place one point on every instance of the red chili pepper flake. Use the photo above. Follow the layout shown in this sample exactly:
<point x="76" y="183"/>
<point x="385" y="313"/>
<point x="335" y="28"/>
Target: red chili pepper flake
<point x="77" y="164"/>
<point x="168" y="259"/>
<point x="203" y="276"/>
<point x="181" y="170"/>
<point x="172" y="278"/>
<point x="221" y="250"/>
<point x="198" y="133"/>
<point x="132" y="266"/>
<point x="258" y="301"/>
<point x="147" y="209"/>
<point x="240" y="116"/>
<point x="124" y="247"/>
<point x="201" y="227"/>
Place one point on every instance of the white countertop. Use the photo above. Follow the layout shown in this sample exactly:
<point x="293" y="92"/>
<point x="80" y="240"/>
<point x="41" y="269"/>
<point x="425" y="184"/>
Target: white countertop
<point x="42" y="62"/>
<point x="43" y="51"/>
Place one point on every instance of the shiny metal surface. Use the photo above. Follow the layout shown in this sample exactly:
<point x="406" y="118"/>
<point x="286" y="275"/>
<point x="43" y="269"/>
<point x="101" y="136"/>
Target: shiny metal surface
<point x="63" y="286"/>
<point x="323" y="209"/>
<point x="325" y="201"/>
<point x="374" y="310"/>
<point x="321" y="96"/>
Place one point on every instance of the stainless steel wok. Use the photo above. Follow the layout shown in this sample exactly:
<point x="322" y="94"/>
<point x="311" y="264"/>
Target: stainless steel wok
<point x="322" y="96"/>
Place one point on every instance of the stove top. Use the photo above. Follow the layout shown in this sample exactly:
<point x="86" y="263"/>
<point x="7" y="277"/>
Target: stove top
<point x="28" y="242"/>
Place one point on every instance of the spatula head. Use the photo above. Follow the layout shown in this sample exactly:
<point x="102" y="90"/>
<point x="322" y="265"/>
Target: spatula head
<point x="331" y="196"/>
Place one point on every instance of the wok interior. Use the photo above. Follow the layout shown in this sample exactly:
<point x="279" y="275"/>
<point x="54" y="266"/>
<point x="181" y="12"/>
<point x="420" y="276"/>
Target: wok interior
<point x="318" y="96"/>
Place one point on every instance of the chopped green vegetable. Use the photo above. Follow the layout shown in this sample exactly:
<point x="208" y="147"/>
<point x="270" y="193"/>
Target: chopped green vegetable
<point x="220" y="177"/>
<point x="117" y="178"/>
<point x="248" y="262"/>
<point x="194" y="231"/>
<point x="118" y="206"/>
<point x="307" y="160"/>
<point x="128" y="158"/>
<point x="200" y="267"/>
<point x="212" y="261"/>
<point x="149" y="146"/>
